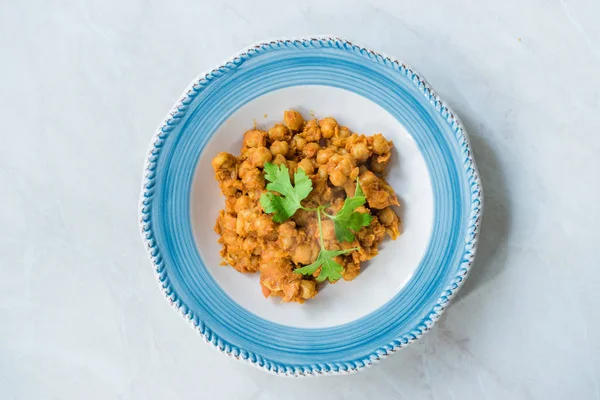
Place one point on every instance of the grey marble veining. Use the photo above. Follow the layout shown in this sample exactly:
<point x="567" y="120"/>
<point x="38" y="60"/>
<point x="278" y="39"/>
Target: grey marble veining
<point x="85" y="83"/>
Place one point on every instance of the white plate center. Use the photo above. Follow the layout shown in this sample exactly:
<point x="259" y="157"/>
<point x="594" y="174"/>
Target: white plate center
<point x="385" y="275"/>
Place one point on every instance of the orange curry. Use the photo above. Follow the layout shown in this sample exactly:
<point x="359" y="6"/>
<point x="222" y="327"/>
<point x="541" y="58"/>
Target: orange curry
<point x="333" y="157"/>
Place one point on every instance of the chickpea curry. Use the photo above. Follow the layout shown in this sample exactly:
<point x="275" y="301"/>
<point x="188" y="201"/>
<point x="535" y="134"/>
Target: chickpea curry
<point x="305" y="202"/>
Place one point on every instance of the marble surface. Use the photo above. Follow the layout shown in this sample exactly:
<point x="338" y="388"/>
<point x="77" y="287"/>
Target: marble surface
<point x="85" y="83"/>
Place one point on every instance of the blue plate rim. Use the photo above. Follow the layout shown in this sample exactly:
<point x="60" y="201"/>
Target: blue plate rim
<point x="472" y="231"/>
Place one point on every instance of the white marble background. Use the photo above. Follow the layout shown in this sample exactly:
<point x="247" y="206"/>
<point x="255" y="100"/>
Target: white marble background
<point x="83" y="86"/>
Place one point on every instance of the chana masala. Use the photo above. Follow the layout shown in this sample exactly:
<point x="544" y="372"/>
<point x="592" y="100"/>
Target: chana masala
<point x="305" y="201"/>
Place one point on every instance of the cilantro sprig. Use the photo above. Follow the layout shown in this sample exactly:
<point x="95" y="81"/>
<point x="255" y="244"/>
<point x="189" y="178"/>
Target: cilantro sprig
<point x="330" y="269"/>
<point x="347" y="219"/>
<point x="288" y="203"/>
<point x="287" y="199"/>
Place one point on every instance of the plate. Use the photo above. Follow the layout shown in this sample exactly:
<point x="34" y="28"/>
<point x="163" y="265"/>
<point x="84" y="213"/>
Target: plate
<point x="400" y="294"/>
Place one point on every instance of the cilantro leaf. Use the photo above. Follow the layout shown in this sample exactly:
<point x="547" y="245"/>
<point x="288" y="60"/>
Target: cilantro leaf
<point x="347" y="220"/>
<point x="288" y="203"/>
<point x="329" y="268"/>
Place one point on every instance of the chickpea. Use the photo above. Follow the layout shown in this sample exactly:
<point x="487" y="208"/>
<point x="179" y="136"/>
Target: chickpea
<point x="346" y="164"/>
<point x="279" y="159"/>
<point x="229" y="238"/>
<point x="245" y="166"/>
<point x="394" y="230"/>
<point x="228" y="188"/>
<point x="329" y="127"/>
<point x="307" y="165"/>
<point x="223" y="161"/>
<point x="325" y="192"/>
<point x="293" y="120"/>
<point x="250" y="245"/>
<point x="333" y="246"/>
<point x="301" y="218"/>
<point x="338" y="142"/>
<point x="302" y="254"/>
<point x="260" y="156"/>
<point x="354" y="173"/>
<point x="244" y="222"/>
<point x="243" y="203"/>
<point x="376" y="166"/>
<point x="344" y="132"/>
<point x="380" y="145"/>
<point x="310" y="150"/>
<point x="378" y="199"/>
<point x="340" y="260"/>
<point x="287" y="229"/>
<point x="351" y="271"/>
<point x="361" y="209"/>
<point x="255" y="138"/>
<point x="230" y="204"/>
<point x="227" y="222"/>
<point x="368" y="178"/>
<point x="243" y="263"/>
<point x="385" y="158"/>
<point x="324" y="155"/>
<point x="308" y="289"/>
<point x="360" y="152"/>
<point x="287" y="242"/>
<point x="264" y="225"/>
<point x="312" y="132"/>
<point x="336" y="205"/>
<point x="279" y="132"/>
<point x="387" y="216"/>
<point x="253" y="180"/>
<point x="269" y="255"/>
<point x="337" y="178"/>
<point x="298" y="142"/>
<point x="279" y="147"/>
<point x="368" y="240"/>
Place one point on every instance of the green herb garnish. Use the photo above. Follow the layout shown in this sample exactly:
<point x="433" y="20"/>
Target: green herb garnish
<point x="283" y="207"/>
<point x="288" y="203"/>
<point x="329" y="268"/>
<point x="347" y="219"/>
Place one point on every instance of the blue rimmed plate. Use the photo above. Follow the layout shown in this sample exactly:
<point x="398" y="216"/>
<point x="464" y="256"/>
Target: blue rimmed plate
<point x="400" y="294"/>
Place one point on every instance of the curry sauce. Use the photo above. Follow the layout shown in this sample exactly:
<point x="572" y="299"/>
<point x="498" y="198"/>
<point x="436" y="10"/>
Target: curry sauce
<point x="333" y="157"/>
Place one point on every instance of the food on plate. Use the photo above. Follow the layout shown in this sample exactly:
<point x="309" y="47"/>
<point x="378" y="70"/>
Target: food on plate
<point x="305" y="202"/>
